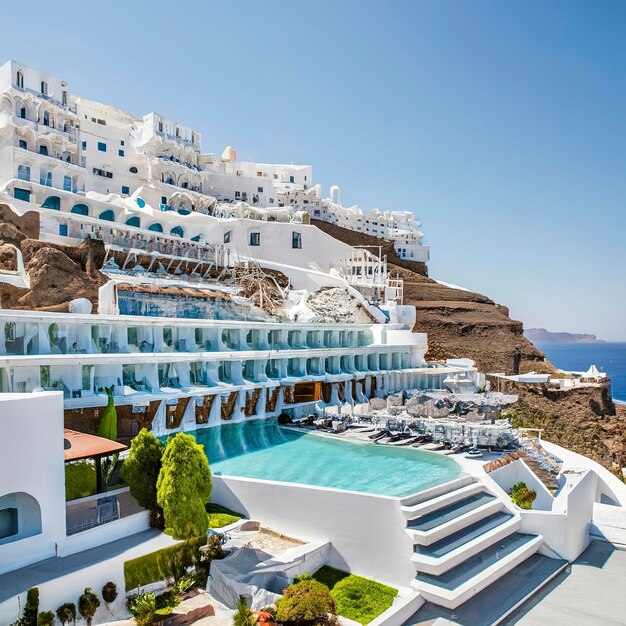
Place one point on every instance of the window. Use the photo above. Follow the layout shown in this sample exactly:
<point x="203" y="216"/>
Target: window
<point x="275" y="176"/>
<point x="237" y="195"/>
<point x="121" y="152"/>
<point x="46" y="118"/>
<point x="84" y="145"/>
<point x="160" y="127"/>
<point x="23" y="172"/>
<point x="163" y="199"/>
<point x="227" y="237"/>
<point x="43" y="150"/>
<point x="132" y="170"/>
<point x="305" y="178"/>
<point x="259" y="189"/>
<point x="102" y="146"/>
<point x="23" y="144"/>
<point x="125" y="190"/>
<point x="20" y="80"/>
<point x="67" y="183"/>
<point x="121" y="142"/>
<point x="21" y="194"/>
<point x="100" y="172"/>
<point x="296" y="240"/>
<point x="64" y="98"/>
<point x="8" y="522"/>
<point x="23" y="113"/>
<point x="259" y="173"/>
<point x="292" y="179"/>
<point x="255" y="239"/>
<point x="44" y="87"/>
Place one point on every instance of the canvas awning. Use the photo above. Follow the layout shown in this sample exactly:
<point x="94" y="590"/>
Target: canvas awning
<point x="80" y="446"/>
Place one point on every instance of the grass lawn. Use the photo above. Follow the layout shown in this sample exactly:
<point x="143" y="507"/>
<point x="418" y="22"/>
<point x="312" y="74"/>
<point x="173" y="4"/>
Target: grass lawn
<point x="220" y="516"/>
<point x="156" y="566"/>
<point x="357" y="598"/>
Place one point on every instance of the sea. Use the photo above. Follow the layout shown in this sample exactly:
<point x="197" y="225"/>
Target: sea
<point x="607" y="357"/>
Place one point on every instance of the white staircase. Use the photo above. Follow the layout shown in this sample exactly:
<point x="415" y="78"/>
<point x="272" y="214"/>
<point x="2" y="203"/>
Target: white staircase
<point x="464" y="539"/>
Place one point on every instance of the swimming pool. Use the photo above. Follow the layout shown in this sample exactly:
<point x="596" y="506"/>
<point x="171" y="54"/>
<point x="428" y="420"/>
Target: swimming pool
<point x="262" y="449"/>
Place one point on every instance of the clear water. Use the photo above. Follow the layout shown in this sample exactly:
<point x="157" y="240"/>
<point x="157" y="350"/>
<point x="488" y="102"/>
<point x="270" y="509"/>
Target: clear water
<point x="262" y="449"/>
<point x="607" y="357"/>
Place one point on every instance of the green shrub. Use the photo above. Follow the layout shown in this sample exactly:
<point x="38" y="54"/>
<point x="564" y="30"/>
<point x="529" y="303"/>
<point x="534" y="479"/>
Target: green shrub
<point x="329" y="576"/>
<point x="143" y="608"/>
<point x="67" y="613"/>
<point x="156" y="566"/>
<point x="45" y="618"/>
<point x="141" y="469"/>
<point x="80" y="480"/>
<point x="31" y="607"/>
<point x="184" y="487"/>
<point x="362" y="599"/>
<point x="88" y="604"/>
<point x="243" y="615"/>
<point x="306" y="603"/>
<point x="522" y="496"/>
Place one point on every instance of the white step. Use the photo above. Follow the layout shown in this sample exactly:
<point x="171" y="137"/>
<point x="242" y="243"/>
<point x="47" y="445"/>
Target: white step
<point x="423" y="508"/>
<point x="433" y="492"/>
<point x="439" y="565"/>
<point x="428" y="537"/>
<point x="452" y="598"/>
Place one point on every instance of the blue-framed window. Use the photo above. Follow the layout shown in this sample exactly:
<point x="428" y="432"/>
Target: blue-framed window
<point x="121" y="142"/>
<point x="126" y="190"/>
<point x="67" y="183"/>
<point x="121" y="152"/>
<point x="84" y="145"/>
<point x="21" y="194"/>
<point x="163" y="199"/>
<point x="23" y="144"/>
<point x="255" y="239"/>
<point x="102" y="146"/>
<point x="296" y="240"/>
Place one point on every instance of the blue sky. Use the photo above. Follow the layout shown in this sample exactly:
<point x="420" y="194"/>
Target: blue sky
<point x="502" y="125"/>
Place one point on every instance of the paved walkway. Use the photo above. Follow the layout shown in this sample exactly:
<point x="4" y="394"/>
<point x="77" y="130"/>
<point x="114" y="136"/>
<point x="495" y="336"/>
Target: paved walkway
<point x="121" y="550"/>
<point x="593" y="592"/>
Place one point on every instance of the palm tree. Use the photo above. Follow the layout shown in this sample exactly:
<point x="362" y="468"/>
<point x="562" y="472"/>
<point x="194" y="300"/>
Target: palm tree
<point x="88" y="604"/>
<point x="243" y="615"/>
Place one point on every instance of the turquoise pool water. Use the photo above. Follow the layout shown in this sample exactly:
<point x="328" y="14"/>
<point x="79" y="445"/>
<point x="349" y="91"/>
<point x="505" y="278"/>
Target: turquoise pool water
<point x="262" y="449"/>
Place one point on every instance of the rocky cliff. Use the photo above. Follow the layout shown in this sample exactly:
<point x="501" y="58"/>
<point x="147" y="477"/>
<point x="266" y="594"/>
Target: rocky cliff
<point x="459" y="323"/>
<point x="58" y="274"/>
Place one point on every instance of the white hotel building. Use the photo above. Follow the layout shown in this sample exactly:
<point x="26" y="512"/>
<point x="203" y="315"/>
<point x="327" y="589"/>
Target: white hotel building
<point x="174" y="221"/>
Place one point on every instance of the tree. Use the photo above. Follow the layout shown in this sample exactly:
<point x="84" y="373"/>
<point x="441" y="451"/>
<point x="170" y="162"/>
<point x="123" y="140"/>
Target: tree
<point x="108" y="424"/>
<point x="31" y="607"/>
<point x="67" y="613"/>
<point x="45" y="618"/>
<point x="184" y="488"/>
<point x="88" y="604"/>
<point x="306" y="603"/>
<point x="141" y="469"/>
<point x="243" y="615"/>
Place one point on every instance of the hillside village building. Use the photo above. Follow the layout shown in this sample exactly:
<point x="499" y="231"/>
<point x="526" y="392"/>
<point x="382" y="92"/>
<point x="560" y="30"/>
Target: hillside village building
<point x="222" y="305"/>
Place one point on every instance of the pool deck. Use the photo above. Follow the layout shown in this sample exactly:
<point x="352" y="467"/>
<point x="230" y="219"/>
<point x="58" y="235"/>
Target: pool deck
<point x="591" y="592"/>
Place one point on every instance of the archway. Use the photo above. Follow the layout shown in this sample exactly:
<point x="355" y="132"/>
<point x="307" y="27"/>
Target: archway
<point x="80" y="209"/>
<point x="107" y="215"/>
<point x="52" y="202"/>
